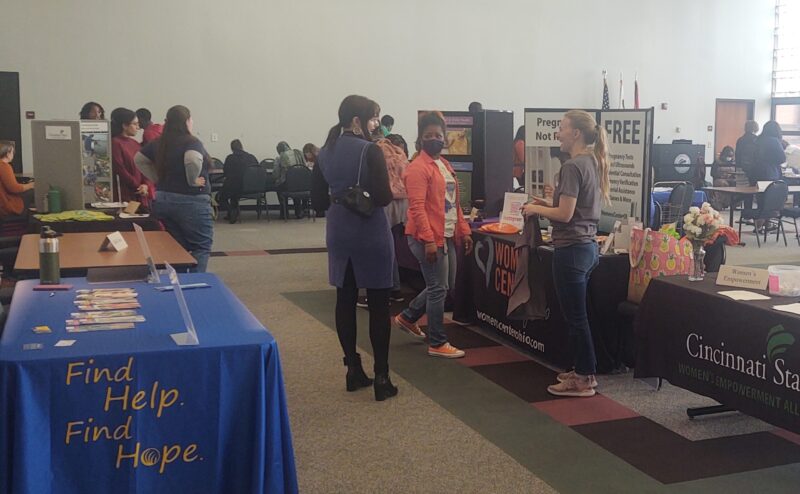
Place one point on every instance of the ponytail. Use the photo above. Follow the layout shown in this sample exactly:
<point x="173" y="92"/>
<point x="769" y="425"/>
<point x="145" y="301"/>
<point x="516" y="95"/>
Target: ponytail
<point x="334" y="134"/>
<point x="600" y="152"/>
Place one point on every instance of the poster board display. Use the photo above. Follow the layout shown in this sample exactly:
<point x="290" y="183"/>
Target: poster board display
<point x="630" y="137"/>
<point x="630" y="134"/>
<point x="542" y="149"/>
<point x="56" y="152"/>
<point x="96" y="161"/>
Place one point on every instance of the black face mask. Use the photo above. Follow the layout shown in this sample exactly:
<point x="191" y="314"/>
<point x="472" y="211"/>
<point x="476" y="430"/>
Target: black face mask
<point x="433" y="146"/>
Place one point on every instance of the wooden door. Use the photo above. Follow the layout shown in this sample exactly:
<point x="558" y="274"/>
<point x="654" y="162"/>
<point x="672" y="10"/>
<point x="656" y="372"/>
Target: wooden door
<point x="729" y="122"/>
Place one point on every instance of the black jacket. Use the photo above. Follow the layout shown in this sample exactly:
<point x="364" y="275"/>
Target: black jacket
<point x="234" y="167"/>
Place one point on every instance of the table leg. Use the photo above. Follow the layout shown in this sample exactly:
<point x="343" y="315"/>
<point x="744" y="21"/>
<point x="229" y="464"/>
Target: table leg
<point x="734" y="201"/>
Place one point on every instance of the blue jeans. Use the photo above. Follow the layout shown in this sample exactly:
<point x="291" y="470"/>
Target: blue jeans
<point x="439" y="276"/>
<point x="571" y="269"/>
<point x="189" y="219"/>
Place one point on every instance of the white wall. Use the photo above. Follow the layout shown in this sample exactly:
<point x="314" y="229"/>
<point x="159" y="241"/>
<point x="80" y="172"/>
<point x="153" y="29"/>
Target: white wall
<point x="270" y="70"/>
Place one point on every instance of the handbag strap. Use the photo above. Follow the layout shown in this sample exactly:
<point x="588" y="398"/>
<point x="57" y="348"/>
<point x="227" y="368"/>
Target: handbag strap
<point x="640" y="255"/>
<point x="360" y="163"/>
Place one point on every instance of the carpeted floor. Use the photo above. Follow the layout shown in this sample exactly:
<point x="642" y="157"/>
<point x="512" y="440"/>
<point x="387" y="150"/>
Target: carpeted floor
<point x="483" y="423"/>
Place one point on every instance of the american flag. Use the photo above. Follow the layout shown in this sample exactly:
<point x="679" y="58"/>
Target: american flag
<point x="606" y="105"/>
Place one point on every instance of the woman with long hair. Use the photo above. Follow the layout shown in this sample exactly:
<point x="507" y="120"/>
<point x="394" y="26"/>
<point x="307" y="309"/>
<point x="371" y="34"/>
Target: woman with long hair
<point x="360" y="245"/>
<point x="178" y="163"/>
<point x="435" y="228"/>
<point x="574" y="212"/>
<point x="133" y="185"/>
<point x="769" y="152"/>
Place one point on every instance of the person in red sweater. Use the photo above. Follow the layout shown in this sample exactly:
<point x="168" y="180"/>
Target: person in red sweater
<point x="134" y="186"/>
<point x="14" y="196"/>
<point x="150" y="131"/>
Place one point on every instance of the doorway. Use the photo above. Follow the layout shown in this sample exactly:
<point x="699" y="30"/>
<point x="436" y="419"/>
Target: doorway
<point x="729" y="122"/>
<point x="10" y="122"/>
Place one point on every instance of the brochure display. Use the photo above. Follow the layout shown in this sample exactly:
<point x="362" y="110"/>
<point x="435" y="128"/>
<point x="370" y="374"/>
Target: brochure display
<point x="96" y="161"/>
<point x="630" y="140"/>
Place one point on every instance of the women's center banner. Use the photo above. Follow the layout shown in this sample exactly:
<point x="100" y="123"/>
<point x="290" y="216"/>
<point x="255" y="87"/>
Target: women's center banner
<point x="630" y="137"/>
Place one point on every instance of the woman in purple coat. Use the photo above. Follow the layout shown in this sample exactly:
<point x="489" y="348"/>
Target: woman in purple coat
<point x="360" y="249"/>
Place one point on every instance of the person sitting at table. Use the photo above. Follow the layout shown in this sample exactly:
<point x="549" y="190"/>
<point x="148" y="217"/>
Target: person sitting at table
<point x="574" y="212"/>
<point x="287" y="158"/>
<point x="233" y="169"/>
<point x="150" y="131"/>
<point x="310" y="153"/>
<point x="133" y="185"/>
<point x="435" y="228"/>
<point x="92" y="111"/>
<point x="360" y="248"/>
<point x="15" y="198"/>
<point x="723" y="171"/>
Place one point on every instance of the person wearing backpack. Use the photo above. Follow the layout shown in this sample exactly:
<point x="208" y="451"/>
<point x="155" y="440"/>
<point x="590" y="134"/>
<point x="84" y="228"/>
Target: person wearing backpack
<point x="288" y="157"/>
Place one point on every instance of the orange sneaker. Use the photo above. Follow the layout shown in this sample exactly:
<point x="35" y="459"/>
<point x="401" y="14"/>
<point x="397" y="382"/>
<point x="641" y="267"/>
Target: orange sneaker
<point x="445" y="351"/>
<point x="411" y="328"/>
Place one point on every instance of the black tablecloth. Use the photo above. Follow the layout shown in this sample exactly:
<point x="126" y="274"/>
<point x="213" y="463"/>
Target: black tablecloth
<point x="483" y="287"/>
<point x="745" y="355"/>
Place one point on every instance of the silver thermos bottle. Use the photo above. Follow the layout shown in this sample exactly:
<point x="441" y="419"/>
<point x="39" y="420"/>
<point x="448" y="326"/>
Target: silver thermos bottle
<point x="49" y="265"/>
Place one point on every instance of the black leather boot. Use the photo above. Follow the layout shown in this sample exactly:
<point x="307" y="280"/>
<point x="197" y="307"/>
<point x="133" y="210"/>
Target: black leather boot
<point x="383" y="387"/>
<point x="356" y="378"/>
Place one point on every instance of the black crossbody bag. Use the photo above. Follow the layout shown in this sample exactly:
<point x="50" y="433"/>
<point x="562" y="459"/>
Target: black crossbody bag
<point x="356" y="198"/>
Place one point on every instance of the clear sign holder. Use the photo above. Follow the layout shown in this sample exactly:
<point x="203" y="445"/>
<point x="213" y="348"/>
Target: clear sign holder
<point x="190" y="336"/>
<point x="153" y="277"/>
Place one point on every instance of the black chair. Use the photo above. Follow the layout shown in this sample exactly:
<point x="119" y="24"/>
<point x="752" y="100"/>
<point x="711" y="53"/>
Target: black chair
<point x="269" y="165"/>
<point x="254" y="181"/>
<point x="678" y="204"/>
<point x="770" y="209"/>
<point x="298" y="188"/>
<point x="217" y="164"/>
<point x="792" y="213"/>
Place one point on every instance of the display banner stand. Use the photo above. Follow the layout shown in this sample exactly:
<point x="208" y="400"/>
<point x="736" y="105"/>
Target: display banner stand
<point x="630" y="140"/>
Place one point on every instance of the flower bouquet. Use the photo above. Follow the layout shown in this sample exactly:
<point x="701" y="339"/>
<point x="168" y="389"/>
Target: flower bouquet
<point x="699" y="225"/>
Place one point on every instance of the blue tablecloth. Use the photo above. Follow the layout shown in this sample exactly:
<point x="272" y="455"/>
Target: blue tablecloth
<point x="662" y="197"/>
<point x="203" y="419"/>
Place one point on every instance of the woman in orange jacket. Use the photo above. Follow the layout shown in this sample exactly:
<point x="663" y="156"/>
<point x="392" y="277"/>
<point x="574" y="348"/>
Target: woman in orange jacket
<point x="14" y="196"/>
<point x="435" y="228"/>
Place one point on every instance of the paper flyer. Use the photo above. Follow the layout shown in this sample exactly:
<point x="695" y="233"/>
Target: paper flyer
<point x="512" y="205"/>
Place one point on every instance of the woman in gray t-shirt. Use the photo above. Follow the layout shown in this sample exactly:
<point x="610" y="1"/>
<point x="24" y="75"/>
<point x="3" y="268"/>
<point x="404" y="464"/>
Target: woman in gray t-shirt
<point x="574" y="212"/>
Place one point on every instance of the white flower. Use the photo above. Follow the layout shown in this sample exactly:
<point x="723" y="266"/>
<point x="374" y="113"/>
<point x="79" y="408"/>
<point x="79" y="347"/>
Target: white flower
<point x="694" y="210"/>
<point x="701" y="220"/>
<point x="688" y="218"/>
<point x="706" y="206"/>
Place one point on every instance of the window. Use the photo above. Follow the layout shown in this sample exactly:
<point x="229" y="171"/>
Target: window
<point x="786" y="53"/>
<point x="786" y="69"/>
